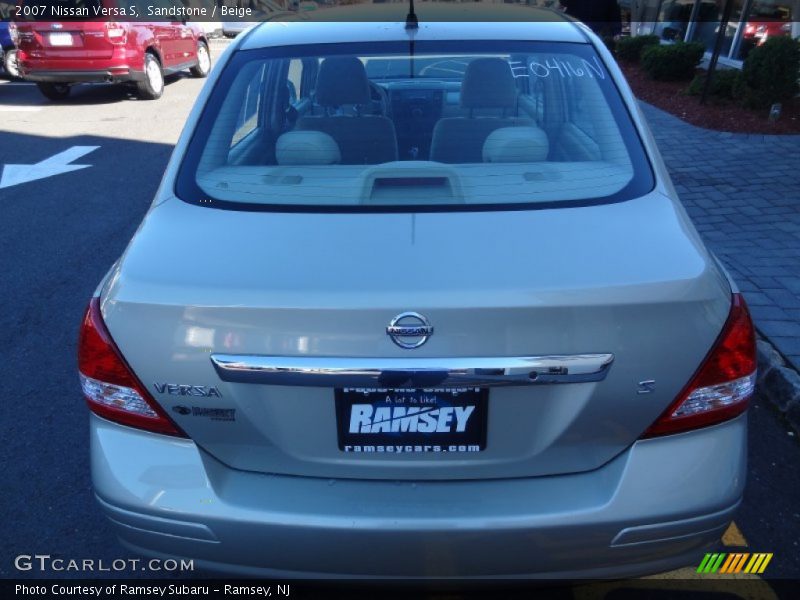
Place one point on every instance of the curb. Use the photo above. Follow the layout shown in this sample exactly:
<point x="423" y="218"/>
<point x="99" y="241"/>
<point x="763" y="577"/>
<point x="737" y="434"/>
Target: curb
<point x="778" y="382"/>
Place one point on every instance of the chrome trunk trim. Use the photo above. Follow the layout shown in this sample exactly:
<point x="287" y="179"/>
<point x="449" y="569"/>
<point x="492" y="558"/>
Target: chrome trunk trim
<point x="411" y="372"/>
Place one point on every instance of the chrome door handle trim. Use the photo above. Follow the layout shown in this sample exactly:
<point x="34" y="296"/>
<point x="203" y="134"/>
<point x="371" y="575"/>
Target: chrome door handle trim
<point x="314" y="371"/>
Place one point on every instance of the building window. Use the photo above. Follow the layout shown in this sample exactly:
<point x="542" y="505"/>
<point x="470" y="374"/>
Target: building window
<point x="766" y="19"/>
<point x="709" y="16"/>
<point x="673" y="19"/>
<point x="752" y="22"/>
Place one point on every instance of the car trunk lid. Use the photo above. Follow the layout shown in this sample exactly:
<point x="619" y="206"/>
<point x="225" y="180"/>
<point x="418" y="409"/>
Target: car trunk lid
<point x="623" y="294"/>
<point x="65" y="40"/>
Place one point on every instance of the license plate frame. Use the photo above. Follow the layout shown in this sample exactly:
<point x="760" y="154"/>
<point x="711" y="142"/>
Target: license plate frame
<point x="409" y="432"/>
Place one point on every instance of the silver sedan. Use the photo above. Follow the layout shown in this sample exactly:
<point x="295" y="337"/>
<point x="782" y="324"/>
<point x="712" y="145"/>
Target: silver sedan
<point x="418" y="303"/>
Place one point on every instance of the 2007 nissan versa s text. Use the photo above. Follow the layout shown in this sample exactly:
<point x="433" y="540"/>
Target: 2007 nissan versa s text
<point x="429" y="311"/>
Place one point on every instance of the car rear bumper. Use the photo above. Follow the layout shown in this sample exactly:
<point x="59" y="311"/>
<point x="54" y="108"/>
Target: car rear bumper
<point x="111" y="75"/>
<point x="657" y="506"/>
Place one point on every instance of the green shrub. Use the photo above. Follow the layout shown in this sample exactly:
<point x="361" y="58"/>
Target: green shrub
<point x="722" y="83"/>
<point x="770" y="73"/>
<point x="673" y="61"/>
<point x="630" y="48"/>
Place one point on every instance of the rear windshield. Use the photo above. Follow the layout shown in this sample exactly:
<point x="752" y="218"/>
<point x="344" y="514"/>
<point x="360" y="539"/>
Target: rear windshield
<point x="434" y="126"/>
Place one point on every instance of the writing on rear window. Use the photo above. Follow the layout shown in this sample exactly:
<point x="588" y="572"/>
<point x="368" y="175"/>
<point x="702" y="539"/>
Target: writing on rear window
<point x="564" y="68"/>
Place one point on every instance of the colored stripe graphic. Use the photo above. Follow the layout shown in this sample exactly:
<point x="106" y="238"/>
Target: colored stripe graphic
<point x="727" y="566"/>
<point x="740" y="563"/>
<point x="715" y="565"/>
<point x="735" y="562"/>
<point x="764" y="564"/>
<point x="711" y="563"/>
<point x="702" y="567"/>
<point x="758" y="563"/>
<point x="754" y="563"/>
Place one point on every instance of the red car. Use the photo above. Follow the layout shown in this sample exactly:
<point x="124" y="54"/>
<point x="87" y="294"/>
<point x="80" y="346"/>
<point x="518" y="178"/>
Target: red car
<point x="57" y="54"/>
<point x="760" y="31"/>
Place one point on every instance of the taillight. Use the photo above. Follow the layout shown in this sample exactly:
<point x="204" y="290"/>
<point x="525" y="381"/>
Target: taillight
<point x="13" y="32"/>
<point x="722" y="387"/>
<point x="116" y="32"/>
<point x="110" y="387"/>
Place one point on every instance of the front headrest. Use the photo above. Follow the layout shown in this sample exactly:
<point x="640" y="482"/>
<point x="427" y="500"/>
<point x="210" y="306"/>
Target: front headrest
<point x="488" y="83"/>
<point x="516" y="145"/>
<point x="342" y="80"/>
<point x="307" y="148"/>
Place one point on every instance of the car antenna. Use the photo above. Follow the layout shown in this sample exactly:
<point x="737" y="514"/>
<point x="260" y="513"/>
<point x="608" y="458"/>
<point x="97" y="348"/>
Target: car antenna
<point x="411" y="18"/>
<point x="412" y="25"/>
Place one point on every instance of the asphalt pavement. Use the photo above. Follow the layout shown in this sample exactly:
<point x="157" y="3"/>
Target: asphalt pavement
<point x="61" y="233"/>
<point x="59" y="236"/>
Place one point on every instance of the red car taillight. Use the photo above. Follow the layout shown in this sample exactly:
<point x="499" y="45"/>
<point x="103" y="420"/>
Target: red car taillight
<point x="110" y="387"/>
<point x="722" y="387"/>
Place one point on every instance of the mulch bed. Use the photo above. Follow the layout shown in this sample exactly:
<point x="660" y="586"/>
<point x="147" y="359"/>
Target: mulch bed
<point x="720" y="115"/>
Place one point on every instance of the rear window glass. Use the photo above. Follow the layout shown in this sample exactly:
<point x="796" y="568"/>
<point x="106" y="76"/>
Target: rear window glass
<point x="438" y="126"/>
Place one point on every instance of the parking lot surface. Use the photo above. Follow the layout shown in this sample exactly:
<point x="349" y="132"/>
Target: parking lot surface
<point x="743" y="193"/>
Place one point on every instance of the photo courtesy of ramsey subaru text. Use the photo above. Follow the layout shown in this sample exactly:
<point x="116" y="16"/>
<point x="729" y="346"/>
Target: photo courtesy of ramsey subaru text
<point x="418" y="303"/>
<point x="59" y="54"/>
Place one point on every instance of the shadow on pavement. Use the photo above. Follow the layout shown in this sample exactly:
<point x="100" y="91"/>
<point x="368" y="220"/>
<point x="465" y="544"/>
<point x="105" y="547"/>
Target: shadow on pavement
<point x="60" y="235"/>
<point x="81" y="94"/>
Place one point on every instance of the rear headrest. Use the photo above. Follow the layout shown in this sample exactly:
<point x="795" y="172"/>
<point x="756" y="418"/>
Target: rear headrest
<point x="342" y="80"/>
<point x="488" y="83"/>
<point x="307" y="148"/>
<point x="516" y="145"/>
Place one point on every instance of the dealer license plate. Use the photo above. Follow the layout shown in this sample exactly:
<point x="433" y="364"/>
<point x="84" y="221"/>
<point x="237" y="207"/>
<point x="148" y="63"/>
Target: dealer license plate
<point x="401" y="421"/>
<point x="60" y="39"/>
